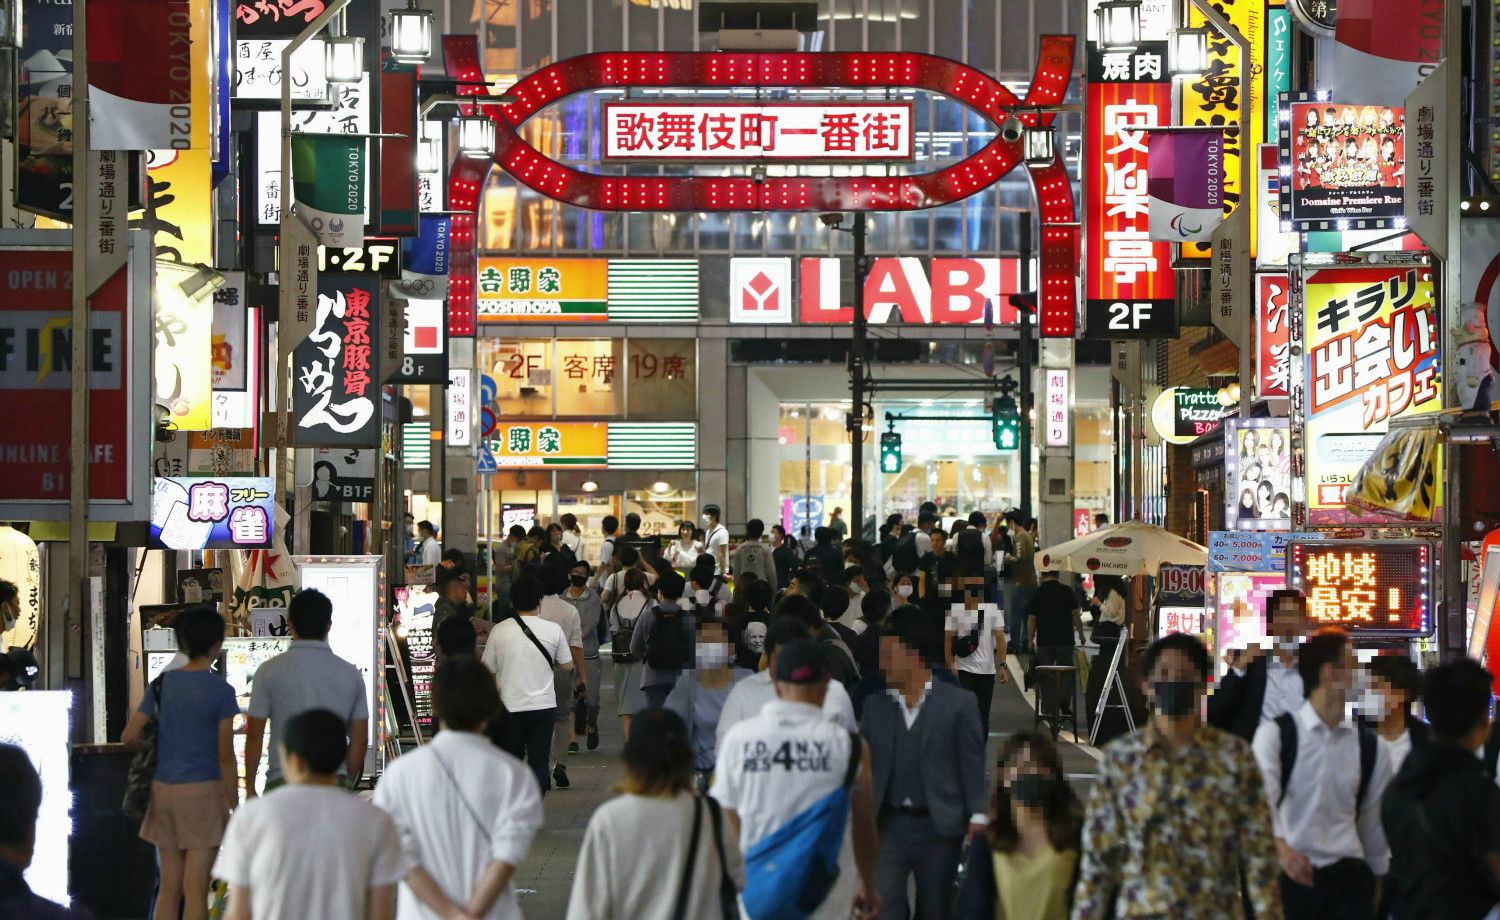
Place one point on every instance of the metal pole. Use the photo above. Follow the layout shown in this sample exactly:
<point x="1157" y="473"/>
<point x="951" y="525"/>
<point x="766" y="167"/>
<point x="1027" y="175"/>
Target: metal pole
<point x="857" y="382"/>
<point x="78" y="450"/>
<point x="1452" y="639"/>
<point x="1023" y="364"/>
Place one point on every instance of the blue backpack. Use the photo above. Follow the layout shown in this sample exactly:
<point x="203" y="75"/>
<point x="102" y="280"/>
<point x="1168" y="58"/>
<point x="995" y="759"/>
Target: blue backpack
<point x="789" y="874"/>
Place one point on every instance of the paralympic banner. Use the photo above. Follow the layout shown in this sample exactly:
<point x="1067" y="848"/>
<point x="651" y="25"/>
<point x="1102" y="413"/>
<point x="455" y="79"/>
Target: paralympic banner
<point x="1185" y="184"/>
<point x="328" y="183"/>
<point x="140" y="74"/>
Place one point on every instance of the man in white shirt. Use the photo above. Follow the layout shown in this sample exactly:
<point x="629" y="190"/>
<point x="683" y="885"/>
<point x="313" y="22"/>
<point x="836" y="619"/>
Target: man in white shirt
<point x="611" y="526"/>
<point x="565" y="681"/>
<point x="521" y="652"/>
<point x="1325" y="810"/>
<point x="467" y="811"/>
<point x="981" y="625"/>
<point x="428" y="547"/>
<point x="1261" y="686"/>
<point x="749" y="697"/>
<point x="715" y="539"/>
<point x="762" y="790"/>
<point x="310" y="849"/>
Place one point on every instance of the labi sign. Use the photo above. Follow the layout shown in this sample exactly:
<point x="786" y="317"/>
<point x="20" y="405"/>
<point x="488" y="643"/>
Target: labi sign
<point x="897" y="290"/>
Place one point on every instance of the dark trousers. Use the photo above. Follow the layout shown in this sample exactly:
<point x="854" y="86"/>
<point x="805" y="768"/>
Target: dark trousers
<point x="528" y="736"/>
<point x="983" y="687"/>
<point x="911" y="846"/>
<point x="656" y="695"/>
<point x="1344" y="890"/>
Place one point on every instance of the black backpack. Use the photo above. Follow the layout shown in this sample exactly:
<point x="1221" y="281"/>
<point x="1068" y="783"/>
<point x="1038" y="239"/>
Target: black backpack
<point x="971" y="549"/>
<point x="905" y="559"/>
<point x="1367" y="749"/>
<point x="669" y="644"/>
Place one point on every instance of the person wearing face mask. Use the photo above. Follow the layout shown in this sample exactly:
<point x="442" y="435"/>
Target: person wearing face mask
<point x="904" y="589"/>
<point x="1025" y="864"/>
<point x="700" y="696"/>
<point x="1174" y="781"/>
<point x="10" y="609"/>
<point x="1324" y="777"/>
<point x="1259" y="686"/>
<point x="593" y="625"/>
<point x="1394" y="685"/>
<point x="715" y="539"/>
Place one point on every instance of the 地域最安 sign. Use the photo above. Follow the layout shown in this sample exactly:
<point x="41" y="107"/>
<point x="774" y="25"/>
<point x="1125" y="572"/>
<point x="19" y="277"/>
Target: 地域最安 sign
<point x="1382" y="588"/>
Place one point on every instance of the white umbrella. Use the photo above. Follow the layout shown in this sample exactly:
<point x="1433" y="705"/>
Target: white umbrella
<point x="1129" y="548"/>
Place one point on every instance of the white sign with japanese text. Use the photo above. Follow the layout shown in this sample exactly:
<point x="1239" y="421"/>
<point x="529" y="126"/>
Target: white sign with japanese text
<point x="750" y="131"/>
<point x="459" y="407"/>
<point x="1058" y="395"/>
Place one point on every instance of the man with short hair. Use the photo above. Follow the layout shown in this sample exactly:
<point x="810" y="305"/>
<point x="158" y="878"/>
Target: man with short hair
<point x="1177" y="823"/>
<point x="453" y="596"/>
<point x="590" y="623"/>
<point x="975" y="625"/>
<point x="1442" y="812"/>
<point x="310" y="849"/>
<point x="927" y="753"/>
<point x="409" y="539"/>
<point x="753" y="555"/>
<point x="504" y="554"/>
<point x="1260" y="686"/>
<point x="1324" y="777"/>
<point x="749" y="696"/>
<point x="1053" y="618"/>
<point x="1020" y="580"/>
<point x="610" y="526"/>
<point x="430" y="551"/>
<point x="521" y="652"/>
<point x="826" y="553"/>
<point x="1101" y="521"/>
<point x="715" y="539"/>
<point x="304" y="677"/>
<point x="657" y="680"/>
<point x="762" y="791"/>
<point x="569" y="684"/>
<point x="20" y="803"/>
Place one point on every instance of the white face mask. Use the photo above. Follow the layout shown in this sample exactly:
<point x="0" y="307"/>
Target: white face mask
<point x="9" y="618"/>
<point x="904" y="590"/>
<point x="702" y="596"/>
<point x="712" y="654"/>
<point x="706" y="519"/>
<point x="1373" y="705"/>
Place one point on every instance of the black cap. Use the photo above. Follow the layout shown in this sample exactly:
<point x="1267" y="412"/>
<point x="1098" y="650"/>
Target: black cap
<point x="801" y="661"/>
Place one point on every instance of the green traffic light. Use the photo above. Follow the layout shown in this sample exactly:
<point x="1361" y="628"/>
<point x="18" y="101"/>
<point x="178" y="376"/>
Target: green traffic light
<point x="890" y="452"/>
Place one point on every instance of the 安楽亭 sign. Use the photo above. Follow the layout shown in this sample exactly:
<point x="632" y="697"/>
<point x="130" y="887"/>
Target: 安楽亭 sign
<point x="212" y="513"/>
<point x="866" y="131"/>
<point x="1374" y="588"/>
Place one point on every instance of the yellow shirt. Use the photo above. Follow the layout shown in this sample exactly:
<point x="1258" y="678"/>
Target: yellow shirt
<point x="1033" y="887"/>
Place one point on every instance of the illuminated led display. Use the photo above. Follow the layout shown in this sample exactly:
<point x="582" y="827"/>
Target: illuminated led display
<point x="1368" y="588"/>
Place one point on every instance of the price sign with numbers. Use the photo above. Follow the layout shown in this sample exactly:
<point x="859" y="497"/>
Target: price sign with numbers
<point x="1380" y="588"/>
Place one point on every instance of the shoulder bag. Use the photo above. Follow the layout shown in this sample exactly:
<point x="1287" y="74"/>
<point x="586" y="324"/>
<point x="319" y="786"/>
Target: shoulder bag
<point x="143" y="765"/>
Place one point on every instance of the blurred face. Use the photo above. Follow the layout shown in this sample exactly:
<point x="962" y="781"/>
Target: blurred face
<point x="777" y="533"/>
<point x="904" y="588"/>
<point x="1288" y="620"/>
<point x="578" y="577"/>
<point x="1174" y="685"/>
<point x="1026" y="779"/>
<point x="713" y="646"/>
<point x="898" y="661"/>
<point x="1341" y="677"/>
<point x="939" y="541"/>
<point x="458" y="589"/>
<point x="972" y="590"/>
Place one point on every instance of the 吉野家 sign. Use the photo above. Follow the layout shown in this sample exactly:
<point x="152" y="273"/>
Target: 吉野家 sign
<point x="1346" y="163"/>
<point x="573" y="444"/>
<point x="1371" y="588"/>
<point x="212" y="513"/>
<point x="751" y="131"/>
<point x="1371" y="342"/>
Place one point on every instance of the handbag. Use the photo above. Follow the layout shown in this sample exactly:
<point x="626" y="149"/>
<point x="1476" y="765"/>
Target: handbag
<point x="143" y="765"/>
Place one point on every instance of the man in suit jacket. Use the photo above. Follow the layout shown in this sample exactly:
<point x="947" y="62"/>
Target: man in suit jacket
<point x="1258" y="685"/>
<point x="927" y="751"/>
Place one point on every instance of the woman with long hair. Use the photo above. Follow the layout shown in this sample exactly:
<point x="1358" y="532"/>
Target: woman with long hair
<point x="196" y="783"/>
<point x="638" y="857"/>
<point x="1025" y="865"/>
<point x="629" y="698"/>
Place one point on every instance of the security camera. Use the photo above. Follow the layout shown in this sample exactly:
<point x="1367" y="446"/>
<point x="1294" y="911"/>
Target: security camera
<point x="832" y="219"/>
<point x="758" y="174"/>
<point x="1011" y="130"/>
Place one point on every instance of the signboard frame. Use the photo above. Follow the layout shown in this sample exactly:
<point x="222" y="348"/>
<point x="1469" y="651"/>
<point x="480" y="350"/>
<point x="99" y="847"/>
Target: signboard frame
<point x="1389" y="215"/>
<point x="737" y="156"/>
<point x="345" y="639"/>
<point x="1296" y="574"/>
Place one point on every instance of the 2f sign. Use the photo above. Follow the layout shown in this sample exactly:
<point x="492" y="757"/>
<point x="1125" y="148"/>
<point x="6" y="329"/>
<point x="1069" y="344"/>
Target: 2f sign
<point x="1132" y="319"/>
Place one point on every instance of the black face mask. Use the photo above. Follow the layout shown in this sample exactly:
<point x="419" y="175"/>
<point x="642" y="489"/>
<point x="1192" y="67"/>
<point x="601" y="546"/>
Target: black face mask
<point x="578" y="581"/>
<point x="1175" y="697"/>
<point x="1029" y="790"/>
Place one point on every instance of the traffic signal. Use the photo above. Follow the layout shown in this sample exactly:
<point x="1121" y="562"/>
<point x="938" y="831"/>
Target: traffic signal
<point x="1005" y="422"/>
<point x="890" y="452"/>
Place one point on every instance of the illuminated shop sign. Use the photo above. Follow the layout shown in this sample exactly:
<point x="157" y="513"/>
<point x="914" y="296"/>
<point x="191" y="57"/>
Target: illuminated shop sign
<point x="751" y="131"/>
<point x="513" y="290"/>
<point x="897" y="290"/>
<point x="1258" y="474"/>
<point x="1381" y="588"/>
<point x="212" y="513"/>
<point x="1343" y="165"/>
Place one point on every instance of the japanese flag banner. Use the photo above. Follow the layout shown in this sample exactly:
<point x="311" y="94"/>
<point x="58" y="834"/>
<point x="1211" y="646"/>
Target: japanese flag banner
<point x="328" y="185"/>
<point x="1185" y="184"/>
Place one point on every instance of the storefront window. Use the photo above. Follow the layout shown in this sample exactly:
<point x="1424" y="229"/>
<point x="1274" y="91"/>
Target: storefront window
<point x="665" y="503"/>
<point x="815" y="464"/>
<point x="588" y="377"/>
<point x="522" y="370"/>
<point x="663" y="381"/>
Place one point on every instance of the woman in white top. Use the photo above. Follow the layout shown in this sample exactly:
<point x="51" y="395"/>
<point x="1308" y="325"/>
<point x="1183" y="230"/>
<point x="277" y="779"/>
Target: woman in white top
<point x="629" y="697"/>
<point x="466" y="810"/>
<point x="638" y="858"/>
<point x="683" y="553"/>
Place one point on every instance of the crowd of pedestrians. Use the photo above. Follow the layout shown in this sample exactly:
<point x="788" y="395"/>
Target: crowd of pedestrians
<point x="807" y="739"/>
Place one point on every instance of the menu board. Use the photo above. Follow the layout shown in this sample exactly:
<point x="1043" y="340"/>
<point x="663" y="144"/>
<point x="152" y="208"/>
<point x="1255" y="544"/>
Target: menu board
<point x="414" y="606"/>
<point x="242" y="657"/>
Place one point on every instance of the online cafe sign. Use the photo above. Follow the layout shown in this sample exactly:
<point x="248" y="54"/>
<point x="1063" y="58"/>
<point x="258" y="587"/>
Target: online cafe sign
<point x="898" y="290"/>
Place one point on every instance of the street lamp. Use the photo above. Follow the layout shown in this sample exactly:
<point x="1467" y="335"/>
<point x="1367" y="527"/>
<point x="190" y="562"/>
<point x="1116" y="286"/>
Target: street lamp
<point x="429" y="155"/>
<point x="345" y="59"/>
<point x="1187" y="54"/>
<point x="1039" y="145"/>
<point x="476" y="136"/>
<point x="411" y="35"/>
<point x="1119" y="24"/>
